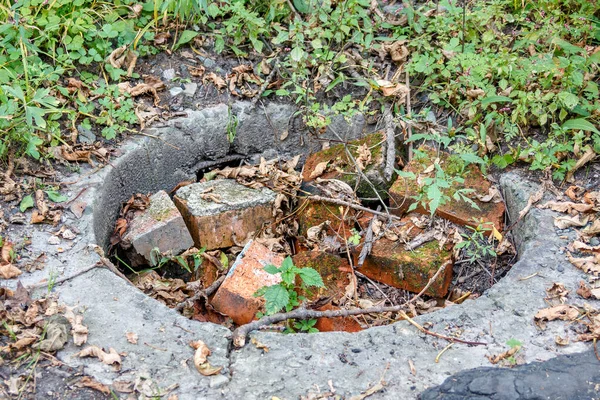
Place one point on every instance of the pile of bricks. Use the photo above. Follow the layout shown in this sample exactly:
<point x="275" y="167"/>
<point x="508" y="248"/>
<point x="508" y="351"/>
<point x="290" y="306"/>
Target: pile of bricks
<point x="222" y="213"/>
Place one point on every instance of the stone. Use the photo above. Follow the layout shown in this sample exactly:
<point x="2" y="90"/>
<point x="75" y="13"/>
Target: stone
<point x="85" y="135"/>
<point x="343" y="324"/>
<point x="390" y="263"/>
<point x="222" y="213"/>
<point x="169" y="74"/>
<point x="235" y="297"/>
<point x="159" y="226"/>
<point x="457" y="211"/>
<point x="332" y="268"/>
<point x="175" y="91"/>
<point x="340" y="166"/>
<point x="189" y="89"/>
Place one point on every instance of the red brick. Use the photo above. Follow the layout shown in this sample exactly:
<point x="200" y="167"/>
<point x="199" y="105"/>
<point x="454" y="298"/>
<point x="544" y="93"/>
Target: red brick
<point x="332" y="268"/>
<point x="456" y="211"/>
<point x="341" y="167"/>
<point x="344" y="324"/>
<point x="390" y="263"/>
<point x="312" y="213"/>
<point x="235" y="297"/>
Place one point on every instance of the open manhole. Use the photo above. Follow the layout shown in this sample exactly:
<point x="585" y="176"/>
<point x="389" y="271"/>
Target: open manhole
<point x="225" y="232"/>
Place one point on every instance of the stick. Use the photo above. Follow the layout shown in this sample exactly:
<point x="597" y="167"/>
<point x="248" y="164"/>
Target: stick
<point x="352" y="205"/>
<point x="201" y="294"/>
<point x="409" y="128"/>
<point x="420" y="240"/>
<point x="265" y="84"/>
<point x="366" y="250"/>
<point x="390" y="156"/>
<point x="240" y="334"/>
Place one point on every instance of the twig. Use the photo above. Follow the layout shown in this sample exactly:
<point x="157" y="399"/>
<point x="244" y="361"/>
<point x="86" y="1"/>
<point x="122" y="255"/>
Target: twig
<point x="366" y="250"/>
<point x="240" y="334"/>
<point x="291" y="6"/>
<point x="265" y="84"/>
<point x="420" y="240"/>
<point x="438" y="335"/>
<point x="352" y="205"/>
<point x="201" y="294"/>
<point x="409" y="128"/>
<point x="437" y="359"/>
<point x="390" y="138"/>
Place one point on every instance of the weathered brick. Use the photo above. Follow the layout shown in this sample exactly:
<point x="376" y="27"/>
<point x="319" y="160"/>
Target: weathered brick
<point x="341" y="167"/>
<point x="336" y="324"/>
<point x="235" y="297"/>
<point x="312" y="213"/>
<point x="390" y="263"/>
<point x="333" y="269"/>
<point x="457" y="211"/>
<point x="222" y="213"/>
<point x="161" y="226"/>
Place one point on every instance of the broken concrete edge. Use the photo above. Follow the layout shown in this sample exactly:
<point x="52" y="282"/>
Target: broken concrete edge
<point x="294" y="362"/>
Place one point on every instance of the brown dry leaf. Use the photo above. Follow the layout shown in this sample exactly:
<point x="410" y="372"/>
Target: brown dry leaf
<point x="564" y="222"/>
<point x="587" y="292"/>
<point x="398" y="51"/>
<point x="259" y="345"/>
<point x="574" y="192"/>
<point x="557" y="291"/>
<point x="9" y="271"/>
<point x="121" y="57"/>
<point x="78" y="207"/>
<point x="197" y="71"/>
<point x="161" y="38"/>
<point x="154" y="81"/>
<point x="319" y="169"/>
<point x="75" y="155"/>
<point x="123" y="386"/>
<point x="566" y="206"/>
<point x="216" y="80"/>
<point x="589" y="265"/>
<point x="41" y="203"/>
<point x="592" y="198"/>
<point x="132" y="337"/>
<point x="580" y="246"/>
<point x="533" y="198"/>
<point x="563" y="312"/>
<point x="508" y="353"/>
<point x="561" y="341"/>
<point x="78" y="330"/>
<point x="588" y="156"/>
<point x="6" y="253"/>
<point x="23" y="343"/>
<point x="140" y="89"/>
<point x="493" y="196"/>
<point x="593" y="229"/>
<point x="200" y="359"/>
<point x="91" y="383"/>
<point x="505" y="246"/>
<point x="398" y="90"/>
<point x="264" y="66"/>
<point x="110" y="358"/>
<point x="364" y="156"/>
<point x="473" y="94"/>
<point x="593" y="327"/>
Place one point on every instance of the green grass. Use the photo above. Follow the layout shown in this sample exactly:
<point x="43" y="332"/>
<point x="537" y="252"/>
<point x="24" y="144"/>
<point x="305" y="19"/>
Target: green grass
<point x="519" y="74"/>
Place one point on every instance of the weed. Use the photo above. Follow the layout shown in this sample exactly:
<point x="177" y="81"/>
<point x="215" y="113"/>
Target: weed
<point x="232" y="123"/>
<point x="285" y="295"/>
<point x="476" y="245"/>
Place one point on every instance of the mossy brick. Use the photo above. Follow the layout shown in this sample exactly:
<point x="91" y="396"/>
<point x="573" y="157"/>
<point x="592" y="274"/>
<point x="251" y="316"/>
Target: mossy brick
<point x="235" y="297"/>
<point x="222" y="213"/>
<point x="159" y="226"/>
<point x="390" y="263"/>
<point x="460" y="212"/>
<point x="343" y="168"/>
<point x="332" y="268"/>
<point x="336" y="324"/>
<point x="312" y="213"/>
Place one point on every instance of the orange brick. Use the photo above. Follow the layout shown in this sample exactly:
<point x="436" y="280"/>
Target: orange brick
<point x="235" y="297"/>
<point x="390" y="263"/>
<point x="344" y="324"/>
<point x="456" y="211"/>
<point x="333" y="269"/>
<point x="312" y="213"/>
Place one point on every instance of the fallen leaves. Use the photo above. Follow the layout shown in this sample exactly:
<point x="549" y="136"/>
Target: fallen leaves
<point x="7" y="269"/>
<point x="122" y="57"/>
<point x="132" y="337"/>
<point x="589" y="265"/>
<point x="215" y="79"/>
<point x="91" y="383"/>
<point x="200" y="359"/>
<point x="561" y="312"/>
<point x="567" y="206"/>
<point x="319" y="169"/>
<point x="495" y="359"/>
<point x="111" y="358"/>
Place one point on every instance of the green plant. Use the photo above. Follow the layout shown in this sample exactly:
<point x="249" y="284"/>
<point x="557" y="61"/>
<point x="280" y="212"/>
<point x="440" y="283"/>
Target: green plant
<point x="53" y="274"/>
<point x="476" y="245"/>
<point x="232" y="123"/>
<point x="285" y="295"/>
<point x="515" y="345"/>
<point x="159" y="259"/>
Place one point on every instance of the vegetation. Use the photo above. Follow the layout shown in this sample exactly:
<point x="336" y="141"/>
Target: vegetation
<point x="519" y="77"/>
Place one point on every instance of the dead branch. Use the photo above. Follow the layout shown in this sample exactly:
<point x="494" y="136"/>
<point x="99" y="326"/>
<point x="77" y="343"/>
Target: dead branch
<point x="390" y="138"/>
<point x="241" y="333"/>
<point x="420" y="240"/>
<point x="200" y="294"/>
<point x="408" y="111"/>
<point x="366" y="250"/>
<point x="352" y="205"/>
<point x="265" y="84"/>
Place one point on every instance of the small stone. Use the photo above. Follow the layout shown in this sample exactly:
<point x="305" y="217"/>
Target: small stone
<point x="190" y="89"/>
<point x="209" y="63"/>
<point x="54" y="240"/>
<point x="85" y="135"/>
<point x="169" y="74"/>
<point x="175" y="91"/>
<point x="595" y="241"/>
<point x="560" y="268"/>
<point x="235" y="298"/>
<point x="68" y="234"/>
<point x="222" y="213"/>
<point x="159" y="226"/>
<point x="217" y="381"/>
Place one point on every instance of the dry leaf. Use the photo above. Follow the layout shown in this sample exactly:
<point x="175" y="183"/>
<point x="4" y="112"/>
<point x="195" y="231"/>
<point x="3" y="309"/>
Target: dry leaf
<point x="578" y="245"/>
<point x="586" y="292"/>
<point x="398" y="51"/>
<point x="91" y="383"/>
<point x="197" y="71"/>
<point x="566" y="206"/>
<point x="123" y="386"/>
<point x="110" y="358"/>
<point x="593" y="229"/>
<point x="9" y="271"/>
<point x="533" y="198"/>
<point x="398" y="90"/>
<point x="319" y="169"/>
<point x="5" y="254"/>
<point x="200" y="359"/>
<point x="216" y="80"/>
<point x="589" y="265"/>
<point x="509" y="353"/>
<point x="132" y="337"/>
<point x="493" y="196"/>
<point x="564" y="222"/>
<point x="557" y="291"/>
<point x="473" y="94"/>
<point x="561" y="341"/>
<point x="562" y="312"/>
<point x="588" y="156"/>
<point x="364" y="156"/>
<point x="574" y="192"/>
